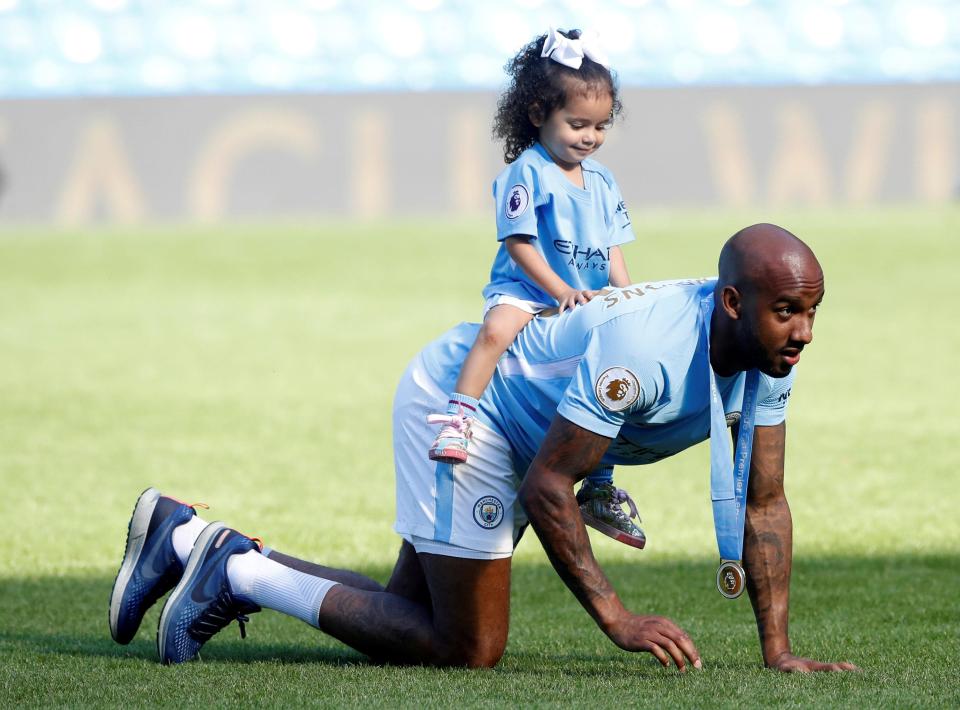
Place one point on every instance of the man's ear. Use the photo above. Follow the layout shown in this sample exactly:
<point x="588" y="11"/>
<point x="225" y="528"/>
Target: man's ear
<point x="731" y="301"/>
<point x="535" y="114"/>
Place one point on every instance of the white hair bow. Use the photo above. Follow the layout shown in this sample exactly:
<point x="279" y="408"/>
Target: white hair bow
<point x="570" y="52"/>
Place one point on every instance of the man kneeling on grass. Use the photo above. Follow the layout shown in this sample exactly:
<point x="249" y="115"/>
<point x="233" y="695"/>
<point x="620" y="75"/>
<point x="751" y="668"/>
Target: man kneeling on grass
<point x="636" y="375"/>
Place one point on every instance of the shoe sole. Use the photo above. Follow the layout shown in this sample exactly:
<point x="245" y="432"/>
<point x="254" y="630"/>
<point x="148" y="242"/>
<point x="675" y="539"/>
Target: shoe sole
<point x="615" y="533"/>
<point x="448" y="456"/>
<point x="200" y="547"/>
<point x="136" y="536"/>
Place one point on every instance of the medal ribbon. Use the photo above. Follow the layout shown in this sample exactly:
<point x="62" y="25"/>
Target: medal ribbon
<point x="729" y="474"/>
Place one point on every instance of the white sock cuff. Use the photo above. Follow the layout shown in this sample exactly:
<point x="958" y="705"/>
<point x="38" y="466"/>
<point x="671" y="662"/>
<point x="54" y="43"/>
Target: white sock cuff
<point x="185" y="536"/>
<point x="272" y="585"/>
<point x="321" y="593"/>
<point x="242" y="570"/>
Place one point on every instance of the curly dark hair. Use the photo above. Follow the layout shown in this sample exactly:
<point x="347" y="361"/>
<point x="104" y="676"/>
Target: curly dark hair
<point x="541" y="84"/>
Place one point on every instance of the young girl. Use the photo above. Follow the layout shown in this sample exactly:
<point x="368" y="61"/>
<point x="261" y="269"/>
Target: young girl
<point x="560" y="220"/>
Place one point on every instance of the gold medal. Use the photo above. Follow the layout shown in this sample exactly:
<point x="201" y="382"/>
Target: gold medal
<point x="731" y="579"/>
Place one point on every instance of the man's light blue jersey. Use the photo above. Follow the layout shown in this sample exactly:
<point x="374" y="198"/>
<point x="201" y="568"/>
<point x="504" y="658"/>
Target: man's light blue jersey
<point x="572" y="228"/>
<point x="630" y="365"/>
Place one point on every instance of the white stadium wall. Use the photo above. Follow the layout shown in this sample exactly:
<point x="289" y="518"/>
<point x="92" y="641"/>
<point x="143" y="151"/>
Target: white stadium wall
<point x="77" y="161"/>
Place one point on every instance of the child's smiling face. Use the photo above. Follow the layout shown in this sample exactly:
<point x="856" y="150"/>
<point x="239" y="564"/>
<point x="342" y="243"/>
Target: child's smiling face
<point x="575" y="131"/>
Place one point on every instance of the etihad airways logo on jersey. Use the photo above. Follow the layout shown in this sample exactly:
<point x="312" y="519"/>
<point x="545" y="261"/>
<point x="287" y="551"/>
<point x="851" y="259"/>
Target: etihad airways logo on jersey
<point x="613" y="296"/>
<point x="583" y="257"/>
<point x="622" y="211"/>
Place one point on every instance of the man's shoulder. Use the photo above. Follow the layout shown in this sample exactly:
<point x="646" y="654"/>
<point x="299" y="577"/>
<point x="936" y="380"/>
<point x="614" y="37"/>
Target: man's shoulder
<point x="645" y="319"/>
<point x="662" y="304"/>
<point x="645" y="325"/>
<point x="653" y="327"/>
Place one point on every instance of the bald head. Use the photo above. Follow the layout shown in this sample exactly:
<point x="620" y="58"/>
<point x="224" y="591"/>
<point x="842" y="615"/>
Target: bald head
<point x="769" y="288"/>
<point x="765" y="256"/>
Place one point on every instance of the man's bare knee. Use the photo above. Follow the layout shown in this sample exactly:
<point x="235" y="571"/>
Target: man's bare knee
<point x="471" y="609"/>
<point x="480" y="653"/>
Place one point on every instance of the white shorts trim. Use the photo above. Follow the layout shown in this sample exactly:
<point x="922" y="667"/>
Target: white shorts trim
<point x="531" y="307"/>
<point x="472" y="505"/>
<point x="446" y="549"/>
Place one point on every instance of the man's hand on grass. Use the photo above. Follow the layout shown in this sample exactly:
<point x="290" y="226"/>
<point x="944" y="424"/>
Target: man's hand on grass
<point x="788" y="663"/>
<point x="657" y="635"/>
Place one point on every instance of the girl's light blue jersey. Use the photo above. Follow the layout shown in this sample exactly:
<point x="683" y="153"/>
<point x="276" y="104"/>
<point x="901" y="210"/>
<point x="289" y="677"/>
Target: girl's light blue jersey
<point x="572" y="228"/>
<point x="630" y="365"/>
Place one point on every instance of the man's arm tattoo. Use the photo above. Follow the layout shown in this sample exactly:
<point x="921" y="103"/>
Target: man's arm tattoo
<point x="768" y="542"/>
<point x="567" y="455"/>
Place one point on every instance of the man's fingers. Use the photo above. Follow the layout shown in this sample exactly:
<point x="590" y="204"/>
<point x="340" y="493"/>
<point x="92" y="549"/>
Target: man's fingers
<point x="666" y="643"/>
<point x="665" y="640"/>
<point x="660" y="654"/>
<point x="683" y="643"/>
<point x="806" y="665"/>
<point x="843" y="666"/>
<point x="689" y="649"/>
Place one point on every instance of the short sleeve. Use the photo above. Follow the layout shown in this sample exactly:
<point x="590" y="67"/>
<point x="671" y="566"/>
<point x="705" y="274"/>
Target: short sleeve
<point x="620" y="228"/>
<point x="516" y="193"/>
<point x="772" y="399"/>
<point x="612" y="380"/>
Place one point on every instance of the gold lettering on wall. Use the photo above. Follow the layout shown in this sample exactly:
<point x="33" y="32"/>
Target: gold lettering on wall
<point x="100" y="171"/>
<point x="870" y="148"/>
<point x="799" y="171"/>
<point x="936" y="156"/>
<point x="370" y="177"/>
<point x="727" y="153"/>
<point x="238" y="136"/>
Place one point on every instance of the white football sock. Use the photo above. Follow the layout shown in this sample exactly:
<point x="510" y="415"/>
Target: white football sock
<point x="273" y="586"/>
<point x="185" y="536"/>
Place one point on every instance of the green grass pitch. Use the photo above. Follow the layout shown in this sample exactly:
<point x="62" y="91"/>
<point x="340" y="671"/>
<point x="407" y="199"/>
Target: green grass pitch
<point x="253" y="369"/>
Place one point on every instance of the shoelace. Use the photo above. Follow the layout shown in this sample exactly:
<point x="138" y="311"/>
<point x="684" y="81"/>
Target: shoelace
<point x="190" y="505"/>
<point x="620" y="496"/>
<point x="221" y="612"/>
<point x="453" y="424"/>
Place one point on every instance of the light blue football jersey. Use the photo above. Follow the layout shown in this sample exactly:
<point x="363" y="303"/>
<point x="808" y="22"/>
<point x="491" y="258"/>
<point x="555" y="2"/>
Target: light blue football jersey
<point x="630" y="365"/>
<point x="572" y="228"/>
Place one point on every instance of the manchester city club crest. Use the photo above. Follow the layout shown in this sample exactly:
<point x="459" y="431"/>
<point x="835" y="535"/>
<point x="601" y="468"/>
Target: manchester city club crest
<point x="488" y="512"/>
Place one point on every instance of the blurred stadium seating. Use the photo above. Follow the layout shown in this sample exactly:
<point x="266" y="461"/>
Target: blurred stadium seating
<point x="122" y="47"/>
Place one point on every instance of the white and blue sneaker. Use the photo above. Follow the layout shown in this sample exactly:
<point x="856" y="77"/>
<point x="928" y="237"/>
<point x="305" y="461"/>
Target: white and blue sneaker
<point x="203" y="602"/>
<point x="150" y="567"/>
